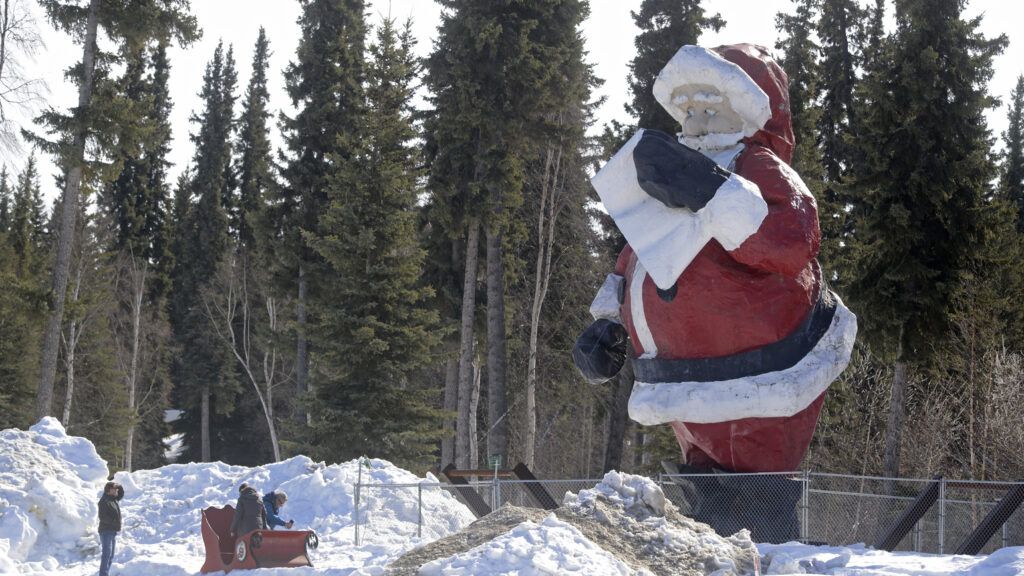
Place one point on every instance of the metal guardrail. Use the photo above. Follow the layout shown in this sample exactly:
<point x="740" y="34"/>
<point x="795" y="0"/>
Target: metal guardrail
<point x="834" y="509"/>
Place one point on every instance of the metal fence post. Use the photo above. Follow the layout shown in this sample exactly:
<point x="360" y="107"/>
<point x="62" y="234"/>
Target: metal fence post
<point x="419" y="510"/>
<point x="805" y="507"/>
<point x="942" y="515"/>
<point x="355" y="513"/>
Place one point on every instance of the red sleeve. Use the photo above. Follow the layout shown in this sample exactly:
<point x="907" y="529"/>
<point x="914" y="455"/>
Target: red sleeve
<point x="623" y="260"/>
<point x="789" y="237"/>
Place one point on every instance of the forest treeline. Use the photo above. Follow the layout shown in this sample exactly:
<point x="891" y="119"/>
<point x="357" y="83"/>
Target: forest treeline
<point x="406" y="282"/>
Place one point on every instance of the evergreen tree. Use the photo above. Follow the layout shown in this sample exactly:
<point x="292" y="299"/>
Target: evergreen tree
<point x="255" y="165"/>
<point x="377" y="331"/>
<point x="922" y="186"/>
<point x="204" y="373"/>
<point x="665" y="26"/>
<point x="837" y="29"/>
<point x="800" y="61"/>
<point x="1012" y="180"/>
<point x="6" y="201"/>
<point x="325" y="83"/>
<point x="488" y="74"/>
<point x="158" y="225"/>
<point x="28" y="222"/>
<point x="128" y="25"/>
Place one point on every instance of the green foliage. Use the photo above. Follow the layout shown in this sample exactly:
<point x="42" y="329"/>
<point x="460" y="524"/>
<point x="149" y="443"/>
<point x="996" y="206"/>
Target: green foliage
<point x="21" y="313"/>
<point x="926" y="169"/>
<point x="1012" y="180"/>
<point x="255" y="165"/>
<point x="202" y="242"/>
<point x="665" y="26"/>
<point x="376" y="330"/>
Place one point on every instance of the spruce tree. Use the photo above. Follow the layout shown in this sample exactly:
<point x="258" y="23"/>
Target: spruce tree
<point x="255" y="165"/>
<point x="28" y="224"/>
<point x="837" y="31"/>
<point x="800" y="61"/>
<point x="325" y="83"/>
<point x="665" y="26"/>
<point x="6" y="201"/>
<point x="1012" y="179"/>
<point x="128" y="25"/>
<point x="204" y="373"/>
<point x="487" y="74"/>
<point x="923" y="184"/>
<point x="377" y="331"/>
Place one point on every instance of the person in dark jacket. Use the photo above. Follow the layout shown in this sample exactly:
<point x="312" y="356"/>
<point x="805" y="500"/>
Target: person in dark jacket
<point x="110" y="523"/>
<point x="273" y="502"/>
<point x="249" y="513"/>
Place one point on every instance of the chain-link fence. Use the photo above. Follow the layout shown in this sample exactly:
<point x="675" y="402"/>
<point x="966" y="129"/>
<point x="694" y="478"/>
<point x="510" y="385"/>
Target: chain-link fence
<point x="812" y="507"/>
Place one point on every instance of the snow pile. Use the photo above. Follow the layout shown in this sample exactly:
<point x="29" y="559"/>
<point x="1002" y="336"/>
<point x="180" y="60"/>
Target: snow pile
<point x="551" y="547"/>
<point x="49" y="485"/>
<point x="860" y="560"/>
<point x="161" y="507"/>
<point x="636" y="508"/>
<point x="623" y="524"/>
<point x="634" y="493"/>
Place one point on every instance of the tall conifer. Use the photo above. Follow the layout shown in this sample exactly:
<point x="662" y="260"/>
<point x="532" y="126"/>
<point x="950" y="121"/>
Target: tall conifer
<point x="205" y="378"/>
<point x="1012" y="180"/>
<point x="325" y="83"/>
<point x="921" y="191"/>
<point x="376" y="330"/>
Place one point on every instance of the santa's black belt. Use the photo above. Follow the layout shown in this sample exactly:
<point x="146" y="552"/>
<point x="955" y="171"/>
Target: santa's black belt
<point x="768" y="358"/>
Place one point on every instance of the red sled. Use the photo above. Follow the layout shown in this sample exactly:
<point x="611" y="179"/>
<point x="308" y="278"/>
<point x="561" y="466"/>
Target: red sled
<point x="257" y="549"/>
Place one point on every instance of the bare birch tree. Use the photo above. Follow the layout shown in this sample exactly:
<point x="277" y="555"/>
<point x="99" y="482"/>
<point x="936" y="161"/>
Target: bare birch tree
<point x="229" y="307"/>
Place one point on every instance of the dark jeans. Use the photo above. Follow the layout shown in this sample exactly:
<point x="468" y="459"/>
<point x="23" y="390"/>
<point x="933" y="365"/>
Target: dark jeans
<point x="107" y="545"/>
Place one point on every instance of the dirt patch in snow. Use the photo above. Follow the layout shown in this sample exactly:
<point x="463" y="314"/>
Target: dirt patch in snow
<point x="626" y="516"/>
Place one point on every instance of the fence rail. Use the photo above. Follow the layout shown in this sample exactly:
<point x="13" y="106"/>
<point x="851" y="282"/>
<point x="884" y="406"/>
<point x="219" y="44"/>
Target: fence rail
<point x="829" y="508"/>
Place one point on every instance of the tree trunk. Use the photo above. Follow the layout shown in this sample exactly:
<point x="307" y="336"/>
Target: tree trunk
<point x="204" y="427"/>
<point x="462" y="431"/>
<point x="497" y="420"/>
<point x="301" y="350"/>
<point x="74" y="333"/>
<point x="474" y="402"/>
<point x="547" y="213"/>
<point x="451" y="399"/>
<point x="618" y="418"/>
<point x="138" y="290"/>
<point x="69" y="214"/>
<point x="894" y="429"/>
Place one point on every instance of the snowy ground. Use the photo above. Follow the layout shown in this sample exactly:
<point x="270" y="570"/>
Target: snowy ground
<point x="50" y="482"/>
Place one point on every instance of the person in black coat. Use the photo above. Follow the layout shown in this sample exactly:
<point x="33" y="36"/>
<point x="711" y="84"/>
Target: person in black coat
<point x="249" y="513"/>
<point x="110" y="523"/>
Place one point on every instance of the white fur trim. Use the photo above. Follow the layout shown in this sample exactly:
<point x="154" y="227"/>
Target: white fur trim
<point x="696" y="65"/>
<point x="636" y="308"/>
<point x="774" y="394"/>
<point x="606" y="302"/>
<point x="667" y="239"/>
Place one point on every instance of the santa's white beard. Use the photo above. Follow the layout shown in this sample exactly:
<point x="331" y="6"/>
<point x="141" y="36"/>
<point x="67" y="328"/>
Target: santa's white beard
<point x="711" y="142"/>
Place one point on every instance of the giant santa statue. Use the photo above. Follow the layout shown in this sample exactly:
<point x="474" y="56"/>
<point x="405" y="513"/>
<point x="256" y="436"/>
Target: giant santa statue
<point x="734" y="336"/>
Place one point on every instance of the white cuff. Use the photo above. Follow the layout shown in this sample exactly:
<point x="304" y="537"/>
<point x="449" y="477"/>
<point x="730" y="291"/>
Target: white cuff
<point x="606" y="303"/>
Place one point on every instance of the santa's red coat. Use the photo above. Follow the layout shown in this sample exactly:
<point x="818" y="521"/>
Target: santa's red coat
<point x="728" y="303"/>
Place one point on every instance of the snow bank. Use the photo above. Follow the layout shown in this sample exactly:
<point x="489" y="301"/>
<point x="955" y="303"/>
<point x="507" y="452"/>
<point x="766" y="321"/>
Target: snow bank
<point x="49" y="485"/>
<point x="860" y="560"/>
<point x="552" y="547"/>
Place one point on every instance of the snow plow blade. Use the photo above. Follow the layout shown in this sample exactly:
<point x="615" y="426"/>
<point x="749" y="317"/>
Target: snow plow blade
<point x="257" y="549"/>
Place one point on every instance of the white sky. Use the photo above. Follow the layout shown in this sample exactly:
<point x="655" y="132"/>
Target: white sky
<point x="609" y="32"/>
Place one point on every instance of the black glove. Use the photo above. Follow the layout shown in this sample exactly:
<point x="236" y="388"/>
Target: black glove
<point x="600" y="351"/>
<point x="678" y="176"/>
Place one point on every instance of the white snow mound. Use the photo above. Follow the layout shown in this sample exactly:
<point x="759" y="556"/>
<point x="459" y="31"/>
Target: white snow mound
<point x="626" y="490"/>
<point x="49" y="485"/>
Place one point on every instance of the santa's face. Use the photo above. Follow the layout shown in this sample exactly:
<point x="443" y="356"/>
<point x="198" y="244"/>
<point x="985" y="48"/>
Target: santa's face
<point x="710" y="122"/>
